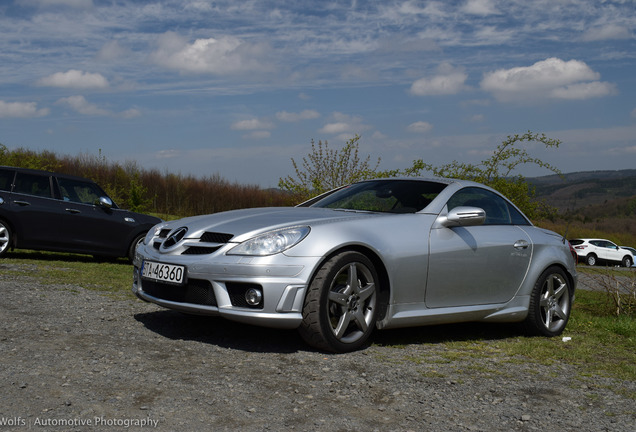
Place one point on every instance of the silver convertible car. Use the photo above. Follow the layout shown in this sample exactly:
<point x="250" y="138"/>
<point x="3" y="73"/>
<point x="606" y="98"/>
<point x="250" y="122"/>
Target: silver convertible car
<point x="380" y="254"/>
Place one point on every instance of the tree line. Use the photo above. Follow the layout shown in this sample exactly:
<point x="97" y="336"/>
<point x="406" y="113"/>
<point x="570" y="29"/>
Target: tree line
<point x="150" y="191"/>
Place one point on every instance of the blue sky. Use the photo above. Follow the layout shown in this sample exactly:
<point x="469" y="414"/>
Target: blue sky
<point x="238" y="88"/>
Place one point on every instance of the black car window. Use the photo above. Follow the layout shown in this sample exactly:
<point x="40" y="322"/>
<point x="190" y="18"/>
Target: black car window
<point x="32" y="184"/>
<point x="79" y="191"/>
<point x="6" y="179"/>
<point x="391" y="196"/>
<point x="498" y="210"/>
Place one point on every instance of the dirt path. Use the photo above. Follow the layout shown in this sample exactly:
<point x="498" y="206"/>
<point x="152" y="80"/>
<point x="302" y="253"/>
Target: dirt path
<point x="75" y="360"/>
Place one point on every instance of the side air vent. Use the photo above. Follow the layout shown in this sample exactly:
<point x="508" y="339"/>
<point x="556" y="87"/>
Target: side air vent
<point x="212" y="237"/>
<point x="198" y="250"/>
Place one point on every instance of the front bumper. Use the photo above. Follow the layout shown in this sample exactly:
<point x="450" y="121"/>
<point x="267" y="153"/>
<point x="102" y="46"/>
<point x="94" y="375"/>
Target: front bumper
<point x="216" y="286"/>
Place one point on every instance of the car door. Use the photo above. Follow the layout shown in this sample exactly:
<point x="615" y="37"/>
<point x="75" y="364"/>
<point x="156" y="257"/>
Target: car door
<point x="34" y="210"/>
<point x="483" y="264"/>
<point x="611" y="251"/>
<point x="89" y="227"/>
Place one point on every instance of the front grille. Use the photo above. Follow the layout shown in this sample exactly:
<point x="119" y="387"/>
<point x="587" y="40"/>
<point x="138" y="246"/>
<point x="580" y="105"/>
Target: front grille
<point x="207" y="237"/>
<point x="213" y="237"/>
<point x="198" y="250"/>
<point x="196" y="291"/>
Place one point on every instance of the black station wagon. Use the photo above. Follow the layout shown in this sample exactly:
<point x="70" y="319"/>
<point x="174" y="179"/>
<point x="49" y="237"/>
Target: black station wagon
<point x="48" y="211"/>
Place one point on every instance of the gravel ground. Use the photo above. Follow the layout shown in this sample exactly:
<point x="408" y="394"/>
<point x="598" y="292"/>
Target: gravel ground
<point x="76" y="360"/>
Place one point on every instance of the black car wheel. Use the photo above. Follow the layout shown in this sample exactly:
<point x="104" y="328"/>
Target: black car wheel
<point x="627" y="262"/>
<point x="340" y="312"/>
<point x="5" y="238"/>
<point x="550" y="303"/>
<point x="590" y="259"/>
<point x="133" y="246"/>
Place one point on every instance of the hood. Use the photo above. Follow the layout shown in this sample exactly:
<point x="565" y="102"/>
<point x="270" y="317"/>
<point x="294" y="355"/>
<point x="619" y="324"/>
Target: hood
<point x="246" y="223"/>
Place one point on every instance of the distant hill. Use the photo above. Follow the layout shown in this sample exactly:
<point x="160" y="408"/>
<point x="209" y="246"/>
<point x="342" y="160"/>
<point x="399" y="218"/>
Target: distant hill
<point x="578" y="190"/>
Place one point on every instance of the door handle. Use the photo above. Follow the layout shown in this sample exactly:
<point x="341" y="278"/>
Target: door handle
<point x="521" y="244"/>
<point x="72" y="210"/>
<point x="22" y="203"/>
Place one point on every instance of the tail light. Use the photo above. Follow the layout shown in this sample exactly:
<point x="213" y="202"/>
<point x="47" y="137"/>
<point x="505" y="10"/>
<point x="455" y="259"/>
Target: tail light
<point x="573" y="252"/>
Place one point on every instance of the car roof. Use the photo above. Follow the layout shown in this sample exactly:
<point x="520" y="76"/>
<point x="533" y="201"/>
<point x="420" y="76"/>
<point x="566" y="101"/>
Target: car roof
<point x="49" y="173"/>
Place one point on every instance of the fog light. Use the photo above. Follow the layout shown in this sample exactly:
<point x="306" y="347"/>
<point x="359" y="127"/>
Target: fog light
<point x="253" y="297"/>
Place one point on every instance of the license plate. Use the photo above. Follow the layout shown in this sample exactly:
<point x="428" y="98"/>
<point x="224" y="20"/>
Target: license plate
<point x="169" y="273"/>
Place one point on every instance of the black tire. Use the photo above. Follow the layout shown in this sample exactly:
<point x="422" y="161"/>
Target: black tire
<point x="133" y="246"/>
<point x="591" y="260"/>
<point x="550" y="304"/>
<point x="340" y="309"/>
<point x="6" y="238"/>
<point x="627" y="261"/>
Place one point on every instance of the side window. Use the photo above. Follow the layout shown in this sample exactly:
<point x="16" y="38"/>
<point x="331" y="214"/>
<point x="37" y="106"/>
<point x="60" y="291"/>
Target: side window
<point x="498" y="212"/>
<point x="79" y="191"/>
<point x="6" y="179"/>
<point x="32" y="184"/>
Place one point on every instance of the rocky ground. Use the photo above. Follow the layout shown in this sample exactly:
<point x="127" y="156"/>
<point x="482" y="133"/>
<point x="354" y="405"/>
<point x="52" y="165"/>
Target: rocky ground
<point x="76" y="360"/>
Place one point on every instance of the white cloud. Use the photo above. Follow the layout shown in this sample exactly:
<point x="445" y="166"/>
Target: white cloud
<point x="607" y="32"/>
<point x="168" y="154"/>
<point x="344" y="125"/>
<point x="222" y="56"/>
<point x="550" y="78"/>
<point x="448" y="80"/>
<point x="336" y="128"/>
<point x="80" y="4"/>
<point x="21" y="110"/>
<point x="74" y="79"/>
<point x="420" y="127"/>
<point x="294" y="117"/>
<point x="111" y="51"/>
<point x="82" y="106"/>
<point x="480" y="7"/>
<point x="584" y="90"/>
<point x="252" y="124"/>
<point x="130" y="113"/>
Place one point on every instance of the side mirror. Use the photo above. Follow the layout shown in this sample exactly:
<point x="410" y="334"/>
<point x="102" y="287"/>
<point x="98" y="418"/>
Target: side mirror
<point x="105" y="202"/>
<point x="464" y="216"/>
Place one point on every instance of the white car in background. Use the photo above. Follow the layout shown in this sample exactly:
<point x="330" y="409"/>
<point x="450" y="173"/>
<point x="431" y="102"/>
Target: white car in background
<point x="633" y="251"/>
<point x="596" y="251"/>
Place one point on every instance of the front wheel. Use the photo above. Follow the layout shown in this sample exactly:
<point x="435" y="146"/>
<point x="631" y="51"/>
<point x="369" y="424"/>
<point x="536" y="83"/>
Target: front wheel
<point x="5" y="238"/>
<point x="627" y="262"/>
<point x="133" y="246"/>
<point x="340" y="308"/>
<point x="550" y="303"/>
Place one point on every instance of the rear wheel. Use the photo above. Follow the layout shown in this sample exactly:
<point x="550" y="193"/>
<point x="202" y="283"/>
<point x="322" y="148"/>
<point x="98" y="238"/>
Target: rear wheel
<point x="5" y="238"/>
<point x="590" y="259"/>
<point x="550" y="303"/>
<point x="340" y="308"/>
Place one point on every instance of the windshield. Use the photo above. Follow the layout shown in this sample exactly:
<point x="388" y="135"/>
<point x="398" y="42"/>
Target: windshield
<point x="387" y="196"/>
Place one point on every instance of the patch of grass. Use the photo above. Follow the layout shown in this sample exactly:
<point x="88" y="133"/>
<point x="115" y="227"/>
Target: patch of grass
<point x="113" y="278"/>
<point x="601" y="343"/>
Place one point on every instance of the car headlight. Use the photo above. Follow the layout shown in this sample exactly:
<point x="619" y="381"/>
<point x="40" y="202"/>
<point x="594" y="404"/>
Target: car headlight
<point x="270" y="243"/>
